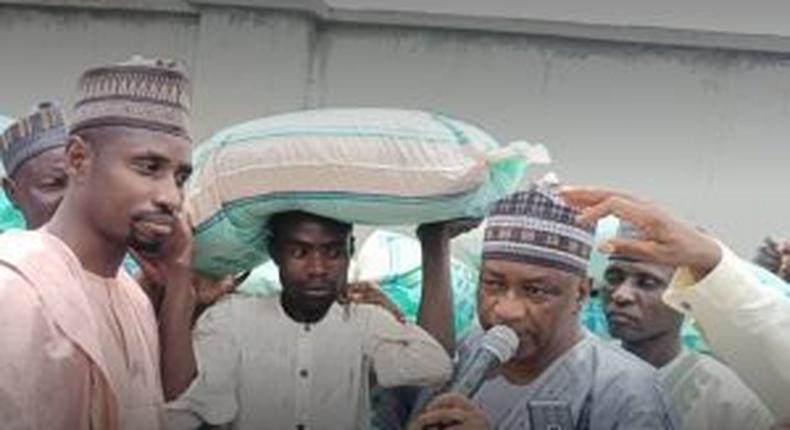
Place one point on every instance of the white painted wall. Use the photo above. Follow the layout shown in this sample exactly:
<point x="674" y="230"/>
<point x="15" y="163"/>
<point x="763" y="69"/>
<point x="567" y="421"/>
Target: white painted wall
<point x="701" y="130"/>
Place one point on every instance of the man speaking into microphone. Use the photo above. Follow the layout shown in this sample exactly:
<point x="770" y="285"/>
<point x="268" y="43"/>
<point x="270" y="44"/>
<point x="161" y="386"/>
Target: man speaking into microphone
<point x="533" y="279"/>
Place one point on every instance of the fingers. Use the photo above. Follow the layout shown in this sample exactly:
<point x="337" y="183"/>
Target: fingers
<point x="637" y="249"/>
<point x="150" y="271"/>
<point x="637" y="213"/>
<point x="443" y="418"/>
<point x="583" y="197"/>
<point x="450" y="400"/>
<point x="362" y="290"/>
<point x="208" y="291"/>
<point x="451" y="410"/>
<point x="460" y="226"/>
<point x="367" y="292"/>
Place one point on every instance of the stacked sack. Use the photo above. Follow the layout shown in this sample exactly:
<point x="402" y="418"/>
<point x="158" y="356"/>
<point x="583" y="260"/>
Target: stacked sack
<point x="394" y="260"/>
<point x="368" y="166"/>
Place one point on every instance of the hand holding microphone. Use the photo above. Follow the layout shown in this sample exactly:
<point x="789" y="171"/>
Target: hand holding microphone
<point x="455" y="408"/>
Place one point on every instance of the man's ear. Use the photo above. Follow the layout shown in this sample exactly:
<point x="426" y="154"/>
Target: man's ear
<point x="583" y="293"/>
<point x="10" y="188"/>
<point x="79" y="156"/>
<point x="271" y="248"/>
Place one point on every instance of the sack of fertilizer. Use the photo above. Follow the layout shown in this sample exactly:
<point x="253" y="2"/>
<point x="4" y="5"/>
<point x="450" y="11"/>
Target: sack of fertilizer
<point x="369" y="166"/>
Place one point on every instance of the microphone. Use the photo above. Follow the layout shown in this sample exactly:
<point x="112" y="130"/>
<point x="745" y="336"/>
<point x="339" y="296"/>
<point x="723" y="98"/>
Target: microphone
<point x="498" y="345"/>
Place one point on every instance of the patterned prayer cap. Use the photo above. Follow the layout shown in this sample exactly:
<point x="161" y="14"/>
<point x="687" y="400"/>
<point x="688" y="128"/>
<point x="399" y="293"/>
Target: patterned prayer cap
<point x="28" y="137"/>
<point x="140" y="93"/>
<point x="537" y="227"/>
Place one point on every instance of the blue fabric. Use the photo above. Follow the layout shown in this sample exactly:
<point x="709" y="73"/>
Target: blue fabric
<point x="603" y="385"/>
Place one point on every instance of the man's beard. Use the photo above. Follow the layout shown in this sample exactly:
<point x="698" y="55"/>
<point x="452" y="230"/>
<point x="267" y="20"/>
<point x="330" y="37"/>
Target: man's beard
<point x="311" y="307"/>
<point x="138" y="240"/>
<point x="143" y="247"/>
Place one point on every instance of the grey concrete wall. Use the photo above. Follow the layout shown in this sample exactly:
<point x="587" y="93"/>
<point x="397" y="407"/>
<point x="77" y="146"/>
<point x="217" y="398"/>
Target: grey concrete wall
<point x="43" y="50"/>
<point x="701" y="130"/>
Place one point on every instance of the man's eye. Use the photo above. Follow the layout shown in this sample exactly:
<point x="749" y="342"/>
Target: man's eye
<point x="614" y="277"/>
<point x="534" y="290"/>
<point x="53" y="183"/>
<point x="297" y="252"/>
<point x="147" y="167"/>
<point x="649" y="282"/>
<point x="335" y="252"/>
<point x="492" y="284"/>
<point x="181" y="179"/>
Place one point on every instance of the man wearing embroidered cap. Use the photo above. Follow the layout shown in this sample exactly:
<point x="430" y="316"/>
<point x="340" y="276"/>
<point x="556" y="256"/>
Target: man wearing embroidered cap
<point x="34" y="160"/>
<point x="78" y="335"/>
<point x="533" y="279"/>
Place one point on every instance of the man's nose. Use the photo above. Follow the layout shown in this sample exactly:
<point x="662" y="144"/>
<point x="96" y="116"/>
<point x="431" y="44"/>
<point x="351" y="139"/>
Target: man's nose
<point x="509" y="309"/>
<point x="624" y="293"/>
<point x="317" y="264"/>
<point x="169" y="196"/>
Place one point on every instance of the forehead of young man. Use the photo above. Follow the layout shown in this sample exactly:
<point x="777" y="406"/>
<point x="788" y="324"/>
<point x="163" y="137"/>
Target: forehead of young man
<point x="285" y="226"/>
<point x="140" y="148"/>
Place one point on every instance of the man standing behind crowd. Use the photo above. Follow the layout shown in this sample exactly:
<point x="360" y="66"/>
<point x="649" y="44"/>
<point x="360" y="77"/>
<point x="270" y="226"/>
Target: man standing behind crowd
<point x="705" y="393"/>
<point x="744" y="322"/>
<point x="533" y="280"/>
<point x="35" y="163"/>
<point x="300" y="359"/>
<point x="78" y="335"/>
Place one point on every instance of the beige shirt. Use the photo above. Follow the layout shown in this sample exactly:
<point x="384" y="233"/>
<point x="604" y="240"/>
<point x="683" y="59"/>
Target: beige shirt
<point x="707" y="395"/>
<point x="746" y="324"/>
<point x="78" y="352"/>
<point x="132" y="358"/>
<point x="260" y="369"/>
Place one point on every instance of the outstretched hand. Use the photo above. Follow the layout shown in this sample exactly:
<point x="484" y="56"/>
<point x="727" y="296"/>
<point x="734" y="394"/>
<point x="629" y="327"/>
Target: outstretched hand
<point x="663" y="238"/>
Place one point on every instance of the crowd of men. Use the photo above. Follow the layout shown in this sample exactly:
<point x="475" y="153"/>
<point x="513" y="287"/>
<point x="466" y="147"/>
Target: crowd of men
<point x="86" y="343"/>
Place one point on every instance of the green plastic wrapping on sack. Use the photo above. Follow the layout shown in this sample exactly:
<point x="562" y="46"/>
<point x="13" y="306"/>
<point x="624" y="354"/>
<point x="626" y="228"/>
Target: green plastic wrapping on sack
<point x="231" y="238"/>
<point x="10" y="217"/>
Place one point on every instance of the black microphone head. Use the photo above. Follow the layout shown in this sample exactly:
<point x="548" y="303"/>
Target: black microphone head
<point x="502" y="341"/>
